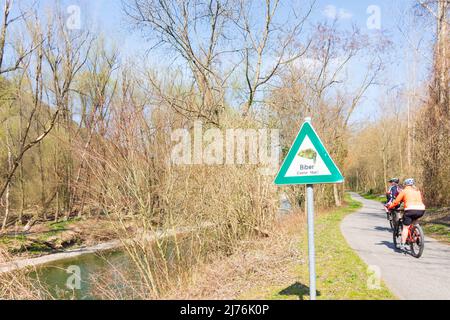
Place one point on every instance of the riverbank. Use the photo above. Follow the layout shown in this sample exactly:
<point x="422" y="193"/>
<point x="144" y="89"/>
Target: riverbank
<point x="56" y="237"/>
<point x="17" y="264"/>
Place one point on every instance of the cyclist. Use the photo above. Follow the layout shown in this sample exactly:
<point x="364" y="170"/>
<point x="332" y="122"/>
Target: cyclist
<point x="393" y="190"/>
<point x="413" y="205"/>
<point x="392" y="193"/>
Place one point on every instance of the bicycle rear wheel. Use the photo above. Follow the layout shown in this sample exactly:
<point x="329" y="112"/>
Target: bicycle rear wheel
<point x="391" y="220"/>
<point x="418" y="244"/>
<point x="397" y="234"/>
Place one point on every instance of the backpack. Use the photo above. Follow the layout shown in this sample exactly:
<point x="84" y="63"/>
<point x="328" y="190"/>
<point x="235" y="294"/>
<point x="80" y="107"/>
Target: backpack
<point x="394" y="191"/>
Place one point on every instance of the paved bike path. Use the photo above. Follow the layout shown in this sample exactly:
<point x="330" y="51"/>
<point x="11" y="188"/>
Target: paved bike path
<point x="367" y="232"/>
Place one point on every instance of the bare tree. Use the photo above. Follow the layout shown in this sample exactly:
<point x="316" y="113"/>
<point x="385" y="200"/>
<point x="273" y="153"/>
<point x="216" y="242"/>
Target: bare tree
<point x="6" y="22"/>
<point x="64" y="60"/>
<point x="433" y="127"/>
<point x="96" y="91"/>
<point x="181" y="26"/>
<point x="318" y="84"/>
<point x="268" y="47"/>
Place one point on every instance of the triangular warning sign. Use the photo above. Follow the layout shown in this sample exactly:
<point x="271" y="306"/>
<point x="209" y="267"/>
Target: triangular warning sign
<point x="308" y="162"/>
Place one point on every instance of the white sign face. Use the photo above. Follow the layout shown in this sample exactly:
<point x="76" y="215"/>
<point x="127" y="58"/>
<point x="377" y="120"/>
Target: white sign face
<point x="307" y="162"/>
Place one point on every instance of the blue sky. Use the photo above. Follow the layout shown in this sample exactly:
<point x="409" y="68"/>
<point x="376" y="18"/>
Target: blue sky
<point x="107" y="16"/>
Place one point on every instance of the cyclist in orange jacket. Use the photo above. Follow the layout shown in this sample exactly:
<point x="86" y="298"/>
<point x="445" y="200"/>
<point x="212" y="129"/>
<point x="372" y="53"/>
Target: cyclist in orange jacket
<point x="413" y="205"/>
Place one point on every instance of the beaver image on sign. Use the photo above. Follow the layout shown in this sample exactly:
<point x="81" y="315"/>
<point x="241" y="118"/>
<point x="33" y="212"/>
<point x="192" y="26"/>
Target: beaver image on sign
<point x="308" y="154"/>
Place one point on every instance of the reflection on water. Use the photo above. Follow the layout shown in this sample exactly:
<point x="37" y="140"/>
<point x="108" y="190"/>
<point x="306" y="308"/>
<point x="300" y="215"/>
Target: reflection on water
<point x="61" y="276"/>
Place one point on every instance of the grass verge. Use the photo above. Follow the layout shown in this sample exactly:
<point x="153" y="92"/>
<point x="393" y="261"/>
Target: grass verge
<point x="341" y="274"/>
<point x="437" y="231"/>
<point x="436" y="224"/>
<point x="373" y="196"/>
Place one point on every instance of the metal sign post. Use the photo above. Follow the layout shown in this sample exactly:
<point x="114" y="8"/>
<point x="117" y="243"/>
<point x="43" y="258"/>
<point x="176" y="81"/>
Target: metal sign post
<point x="308" y="162"/>
<point x="311" y="249"/>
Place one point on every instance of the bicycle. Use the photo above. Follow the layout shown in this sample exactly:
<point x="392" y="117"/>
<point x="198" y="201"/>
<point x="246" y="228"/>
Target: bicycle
<point x="415" y="239"/>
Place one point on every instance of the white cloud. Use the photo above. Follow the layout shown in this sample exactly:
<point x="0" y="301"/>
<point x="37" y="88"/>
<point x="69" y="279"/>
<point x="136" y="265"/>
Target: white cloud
<point x="332" y="12"/>
<point x="344" y="14"/>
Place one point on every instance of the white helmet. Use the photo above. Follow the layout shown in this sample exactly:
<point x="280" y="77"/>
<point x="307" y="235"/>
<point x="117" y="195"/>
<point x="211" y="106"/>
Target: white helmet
<point x="409" y="182"/>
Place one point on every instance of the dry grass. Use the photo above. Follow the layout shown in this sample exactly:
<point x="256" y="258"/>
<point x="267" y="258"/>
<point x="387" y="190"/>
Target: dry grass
<point x="136" y="184"/>
<point x="255" y="263"/>
<point x="17" y="285"/>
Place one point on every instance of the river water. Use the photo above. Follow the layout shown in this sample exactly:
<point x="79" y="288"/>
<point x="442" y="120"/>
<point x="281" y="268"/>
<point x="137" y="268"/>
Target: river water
<point x="71" y="278"/>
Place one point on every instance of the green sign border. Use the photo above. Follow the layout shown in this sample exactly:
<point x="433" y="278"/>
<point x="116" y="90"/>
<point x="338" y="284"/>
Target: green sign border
<point x="334" y="177"/>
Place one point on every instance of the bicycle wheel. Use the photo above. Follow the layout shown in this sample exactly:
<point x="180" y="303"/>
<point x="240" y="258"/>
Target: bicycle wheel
<point x="418" y="244"/>
<point x="397" y="234"/>
<point x="391" y="220"/>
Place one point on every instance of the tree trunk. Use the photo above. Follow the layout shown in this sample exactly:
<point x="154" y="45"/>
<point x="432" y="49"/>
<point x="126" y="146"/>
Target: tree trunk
<point x="337" y="199"/>
<point x="21" y="171"/>
<point x="8" y="186"/>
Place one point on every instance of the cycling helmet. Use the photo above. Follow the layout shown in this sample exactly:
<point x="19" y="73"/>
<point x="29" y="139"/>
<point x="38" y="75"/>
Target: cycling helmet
<point x="409" y="182"/>
<point x="396" y="180"/>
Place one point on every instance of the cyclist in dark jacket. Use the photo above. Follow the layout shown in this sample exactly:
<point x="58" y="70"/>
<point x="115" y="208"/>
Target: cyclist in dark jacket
<point x="393" y="190"/>
<point x="392" y="193"/>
